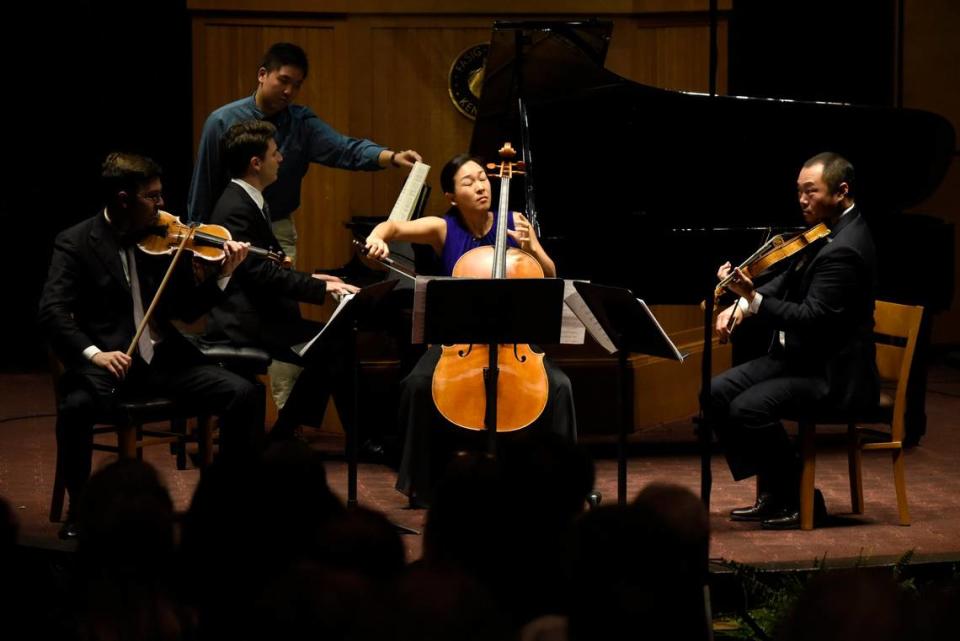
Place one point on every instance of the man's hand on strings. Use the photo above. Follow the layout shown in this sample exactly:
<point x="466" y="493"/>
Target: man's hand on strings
<point x="117" y="363"/>
<point x="741" y="285"/>
<point x="724" y="270"/>
<point x="234" y="253"/>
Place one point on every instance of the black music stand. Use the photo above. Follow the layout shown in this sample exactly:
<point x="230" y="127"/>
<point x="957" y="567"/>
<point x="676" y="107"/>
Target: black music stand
<point x="493" y="311"/>
<point x="622" y="324"/>
<point x="356" y="313"/>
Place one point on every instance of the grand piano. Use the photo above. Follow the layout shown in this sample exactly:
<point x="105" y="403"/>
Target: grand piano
<point x="651" y="190"/>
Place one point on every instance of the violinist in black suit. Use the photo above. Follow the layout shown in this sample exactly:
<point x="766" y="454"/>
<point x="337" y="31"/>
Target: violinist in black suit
<point x="97" y="289"/>
<point x="822" y="355"/>
<point x="261" y="307"/>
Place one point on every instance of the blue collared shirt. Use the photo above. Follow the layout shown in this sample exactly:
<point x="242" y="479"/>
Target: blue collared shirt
<point x="302" y="138"/>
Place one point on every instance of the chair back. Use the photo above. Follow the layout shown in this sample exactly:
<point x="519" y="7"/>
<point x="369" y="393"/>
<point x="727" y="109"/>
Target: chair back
<point x="901" y="323"/>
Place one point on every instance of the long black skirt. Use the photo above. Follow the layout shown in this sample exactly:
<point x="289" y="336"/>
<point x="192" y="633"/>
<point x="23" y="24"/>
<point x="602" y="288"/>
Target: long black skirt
<point x="431" y="440"/>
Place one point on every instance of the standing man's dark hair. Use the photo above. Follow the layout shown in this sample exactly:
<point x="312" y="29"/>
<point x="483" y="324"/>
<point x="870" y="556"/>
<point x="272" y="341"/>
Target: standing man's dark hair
<point x="836" y="170"/>
<point x="285" y="53"/>
<point x="243" y="141"/>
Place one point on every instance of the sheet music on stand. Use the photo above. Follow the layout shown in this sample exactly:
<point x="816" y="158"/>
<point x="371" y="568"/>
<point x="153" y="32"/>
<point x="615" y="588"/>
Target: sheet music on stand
<point x="572" y="331"/>
<point x="628" y="314"/>
<point x="365" y="299"/>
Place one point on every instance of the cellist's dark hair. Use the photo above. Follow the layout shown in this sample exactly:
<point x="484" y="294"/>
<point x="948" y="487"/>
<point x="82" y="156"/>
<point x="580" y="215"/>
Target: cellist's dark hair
<point x="127" y="172"/>
<point x="836" y="170"/>
<point x="452" y="167"/>
<point x="243" y="141"/>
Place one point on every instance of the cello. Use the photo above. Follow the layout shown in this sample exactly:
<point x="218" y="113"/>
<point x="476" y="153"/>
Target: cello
<point x="459" y="379"/>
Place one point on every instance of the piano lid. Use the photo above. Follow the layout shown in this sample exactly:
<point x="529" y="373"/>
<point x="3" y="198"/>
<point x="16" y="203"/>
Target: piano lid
<point x="612" y="154"/>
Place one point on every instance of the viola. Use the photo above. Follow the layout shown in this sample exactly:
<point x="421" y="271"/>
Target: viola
<point x="205" y="242"/>
<point x="770" y="253"/>
<point x="458" y="380"/>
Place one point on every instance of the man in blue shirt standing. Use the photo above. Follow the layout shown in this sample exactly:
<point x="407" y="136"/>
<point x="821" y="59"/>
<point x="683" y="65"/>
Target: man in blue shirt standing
<point x="302" y="138"/>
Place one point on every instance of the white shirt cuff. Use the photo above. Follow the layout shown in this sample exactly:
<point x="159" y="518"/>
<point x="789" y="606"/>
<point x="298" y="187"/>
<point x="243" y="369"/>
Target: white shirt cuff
<point x="222" y="282"/>
<point x="755" y="303"/>
<point x="90" y="352"/>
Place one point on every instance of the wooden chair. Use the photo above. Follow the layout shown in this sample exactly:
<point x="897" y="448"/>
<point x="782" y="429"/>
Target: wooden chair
<point x="897" y="327"/>
<point x="128" y="423"/>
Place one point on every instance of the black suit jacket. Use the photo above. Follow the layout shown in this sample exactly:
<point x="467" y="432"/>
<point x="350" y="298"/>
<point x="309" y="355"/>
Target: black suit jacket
<point x="261" y="307"/>
<point x="87" y="301"/>
<point x="824" y="305"/>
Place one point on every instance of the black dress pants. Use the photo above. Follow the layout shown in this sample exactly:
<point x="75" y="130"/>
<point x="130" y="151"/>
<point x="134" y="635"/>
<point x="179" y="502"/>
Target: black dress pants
<point x="748" y="402"/>
<point x="89" y="394"/>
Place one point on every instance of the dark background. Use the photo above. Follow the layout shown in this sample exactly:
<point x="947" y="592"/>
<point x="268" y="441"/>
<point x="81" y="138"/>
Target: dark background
<point x="99" y="76"/>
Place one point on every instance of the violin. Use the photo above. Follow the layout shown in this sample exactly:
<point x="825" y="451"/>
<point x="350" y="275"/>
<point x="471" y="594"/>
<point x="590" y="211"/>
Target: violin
<point x="458" y="379"/>
<point x="770" y="253"/>
<point x="205" y="242"/>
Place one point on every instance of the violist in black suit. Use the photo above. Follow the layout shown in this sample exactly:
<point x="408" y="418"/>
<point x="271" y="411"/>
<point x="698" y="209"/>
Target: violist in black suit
<point x="261" y="306"/>
<point x="822" y="355"/>
<point x="97" y="290"/>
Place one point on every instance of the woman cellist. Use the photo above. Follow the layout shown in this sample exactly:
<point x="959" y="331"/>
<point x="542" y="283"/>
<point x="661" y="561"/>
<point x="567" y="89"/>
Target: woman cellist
<point x="469" y="223"/>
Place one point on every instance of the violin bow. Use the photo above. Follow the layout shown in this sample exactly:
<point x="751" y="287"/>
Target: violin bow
<point x="389" y="263"/>
<point x="156" y="297"/>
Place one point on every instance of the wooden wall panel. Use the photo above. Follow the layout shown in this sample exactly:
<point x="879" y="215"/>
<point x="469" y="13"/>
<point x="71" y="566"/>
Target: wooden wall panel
<point x="667" y="55"/>
<point x="457" y="7"/>
<point x="384" y="77"/>
<point x="411" y="68"/>
<point x="930" y="53"/>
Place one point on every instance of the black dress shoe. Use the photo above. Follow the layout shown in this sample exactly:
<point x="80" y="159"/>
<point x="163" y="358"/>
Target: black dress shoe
<point x="766" y="507"/>
<point x="69" y="530"/>
<point x="373" y="451"/>
<point x="594" y="498"/>
<point x="790" y="518"/>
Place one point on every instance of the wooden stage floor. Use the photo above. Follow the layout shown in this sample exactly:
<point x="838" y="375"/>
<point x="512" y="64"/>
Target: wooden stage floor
<point x="665" y="454"/>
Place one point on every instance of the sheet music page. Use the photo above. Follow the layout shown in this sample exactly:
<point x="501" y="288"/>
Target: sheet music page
<point x="590" y="323"/>
<point x="676" y="352"/>
<point x="572" y="331"/>
<point x="301" y="350"/>
<point x="403" y="208"/>
<point x="420" y="307"/>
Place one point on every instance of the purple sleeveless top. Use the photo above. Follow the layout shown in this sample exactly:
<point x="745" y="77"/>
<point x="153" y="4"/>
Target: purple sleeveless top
<point x="460" y="241"/>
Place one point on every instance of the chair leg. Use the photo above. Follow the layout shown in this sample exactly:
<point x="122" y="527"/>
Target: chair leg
<point x="59" y="493"/>
<point x="808" y="453"/>
<point x="855" y="465"/>
<point x="179" y="447"/>
<point x="127" y="439"/>
<point x="205" y="440"/>
<point x="900" y="483"/>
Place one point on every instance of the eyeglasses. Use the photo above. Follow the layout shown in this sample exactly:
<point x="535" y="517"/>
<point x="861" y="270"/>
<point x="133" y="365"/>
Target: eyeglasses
<point x="155" y="196"/>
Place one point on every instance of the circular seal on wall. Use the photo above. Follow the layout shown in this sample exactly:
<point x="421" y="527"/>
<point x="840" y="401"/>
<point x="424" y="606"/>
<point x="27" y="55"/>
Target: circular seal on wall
<point x="466" y="79"/>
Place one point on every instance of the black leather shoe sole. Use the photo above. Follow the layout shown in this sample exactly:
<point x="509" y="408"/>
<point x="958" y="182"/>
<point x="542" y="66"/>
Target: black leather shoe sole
<point x="791" y="520"/>
<point x="766" y="507"/>
<point x="69" y="531"/>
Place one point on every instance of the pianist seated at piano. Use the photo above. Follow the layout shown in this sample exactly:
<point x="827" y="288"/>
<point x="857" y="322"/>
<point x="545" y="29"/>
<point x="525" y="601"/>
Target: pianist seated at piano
<point x="822" y="354"/>
<point x="430" y="439"/>
<point x="261" y="304"/>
